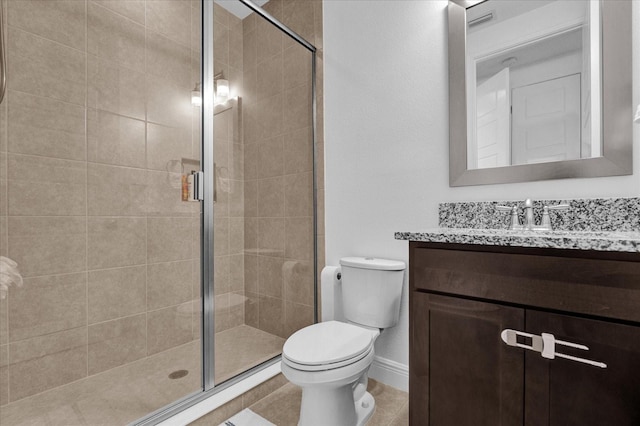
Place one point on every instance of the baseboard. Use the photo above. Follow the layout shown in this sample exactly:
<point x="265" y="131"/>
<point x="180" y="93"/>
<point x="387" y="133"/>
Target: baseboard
<point x="390" y="373"/>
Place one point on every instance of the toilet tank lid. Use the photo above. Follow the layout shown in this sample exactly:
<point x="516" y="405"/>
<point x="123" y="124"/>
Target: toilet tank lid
<point x="373" y="263"/>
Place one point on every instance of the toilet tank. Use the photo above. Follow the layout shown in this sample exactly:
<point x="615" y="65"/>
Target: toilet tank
<point x="371" y="290"/>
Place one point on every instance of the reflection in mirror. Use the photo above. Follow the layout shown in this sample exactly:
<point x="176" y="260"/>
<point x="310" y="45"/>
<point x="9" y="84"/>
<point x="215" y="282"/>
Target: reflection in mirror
<point x="539" y="89"/>
<point x="533" y="81"/>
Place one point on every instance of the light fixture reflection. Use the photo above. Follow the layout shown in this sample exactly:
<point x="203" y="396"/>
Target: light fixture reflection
<point x="637" y="117"/>
<point x="196" y="98"/>
<point x="222" y="90"/>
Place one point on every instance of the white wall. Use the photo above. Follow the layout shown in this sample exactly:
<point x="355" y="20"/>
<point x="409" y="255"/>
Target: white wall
<point x="386" y="135"/>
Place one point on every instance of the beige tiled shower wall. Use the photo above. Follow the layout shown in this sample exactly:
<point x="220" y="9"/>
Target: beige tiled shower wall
<point x="278" y="167"/>
<point x="229" y="160"/>
<point x="95" y="123"/>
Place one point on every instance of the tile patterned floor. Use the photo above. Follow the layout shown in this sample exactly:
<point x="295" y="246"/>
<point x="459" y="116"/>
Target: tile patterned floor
<point x="282" y="407"/>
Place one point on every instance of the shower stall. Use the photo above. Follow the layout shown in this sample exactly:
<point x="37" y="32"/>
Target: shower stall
<point x="158" y="201"/>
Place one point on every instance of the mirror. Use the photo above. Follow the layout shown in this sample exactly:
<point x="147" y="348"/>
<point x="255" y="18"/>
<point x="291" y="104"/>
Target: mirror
<point x="539" y="89"/>
<point x="532" y="98"/>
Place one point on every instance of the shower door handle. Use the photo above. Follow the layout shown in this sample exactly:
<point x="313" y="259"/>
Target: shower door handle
<point x="215" y="183"/>
<point x="198" y="186"/>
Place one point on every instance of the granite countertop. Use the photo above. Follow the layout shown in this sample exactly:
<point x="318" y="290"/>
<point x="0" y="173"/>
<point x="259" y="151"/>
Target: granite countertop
<point x="621" y="241"/>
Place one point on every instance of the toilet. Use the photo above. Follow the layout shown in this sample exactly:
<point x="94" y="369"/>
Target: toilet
<point x="330" y="360"/>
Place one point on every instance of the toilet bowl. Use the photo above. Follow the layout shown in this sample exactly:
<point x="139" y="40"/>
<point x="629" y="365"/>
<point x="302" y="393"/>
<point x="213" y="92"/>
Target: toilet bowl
<point x="330" y="360"/>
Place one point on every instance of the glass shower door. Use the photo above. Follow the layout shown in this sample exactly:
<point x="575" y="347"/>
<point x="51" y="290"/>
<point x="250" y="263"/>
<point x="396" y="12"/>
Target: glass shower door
<point x="264" y="265"/>
<point x="97" y="130"/>
<point x="100" y="133"/>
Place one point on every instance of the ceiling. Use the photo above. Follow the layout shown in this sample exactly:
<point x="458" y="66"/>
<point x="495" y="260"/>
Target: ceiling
<point x="530" y="53"/>
<point x="502" y="10"/>
<point x="237" y="8"/>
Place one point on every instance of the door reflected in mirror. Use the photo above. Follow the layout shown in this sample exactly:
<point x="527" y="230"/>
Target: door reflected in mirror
<point x="533" y="82"/>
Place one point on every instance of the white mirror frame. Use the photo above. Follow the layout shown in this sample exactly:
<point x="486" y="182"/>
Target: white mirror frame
<point x="617" y="109"/>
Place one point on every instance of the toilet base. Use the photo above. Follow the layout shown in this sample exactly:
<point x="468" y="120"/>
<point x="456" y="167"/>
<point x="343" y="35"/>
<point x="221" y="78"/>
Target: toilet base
<point x="365" y="407"/>
<point x="336" y="407"/>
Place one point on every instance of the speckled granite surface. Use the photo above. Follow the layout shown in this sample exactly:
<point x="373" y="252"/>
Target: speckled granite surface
<point x="603" y="224"/>
<point x="572" y="240"/>
<point x="598" y="214"/>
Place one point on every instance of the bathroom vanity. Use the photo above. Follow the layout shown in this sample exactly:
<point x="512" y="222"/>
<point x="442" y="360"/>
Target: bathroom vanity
<point x="499" y="323"/>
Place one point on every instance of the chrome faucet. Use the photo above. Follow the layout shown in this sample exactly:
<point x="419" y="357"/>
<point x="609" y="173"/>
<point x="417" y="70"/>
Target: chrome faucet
<point x="529" y="218"/>
<point x="529" y="221"/>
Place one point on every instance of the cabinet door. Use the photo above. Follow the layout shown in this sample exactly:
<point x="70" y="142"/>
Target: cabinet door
<point x="562" y="392"/>
<point x="460" y="371"/>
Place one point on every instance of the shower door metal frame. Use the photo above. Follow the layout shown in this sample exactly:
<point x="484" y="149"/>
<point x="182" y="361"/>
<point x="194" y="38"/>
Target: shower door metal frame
<point x="209" y="387"/>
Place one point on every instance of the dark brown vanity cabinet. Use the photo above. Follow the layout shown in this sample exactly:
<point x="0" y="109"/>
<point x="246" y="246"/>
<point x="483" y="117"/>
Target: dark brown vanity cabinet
<point x="565" y="392"/>
<point x="462" y="373"/>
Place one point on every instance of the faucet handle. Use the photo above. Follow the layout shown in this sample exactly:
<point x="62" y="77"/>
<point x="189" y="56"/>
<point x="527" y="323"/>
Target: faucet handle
<point x="558" y="207"/>
<point x="546" y="221"/>
<point x="515" y="221"/>
<point x="505" y="208"/>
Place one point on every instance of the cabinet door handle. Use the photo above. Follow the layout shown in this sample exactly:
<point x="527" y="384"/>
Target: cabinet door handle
<point x="545" y="344"/>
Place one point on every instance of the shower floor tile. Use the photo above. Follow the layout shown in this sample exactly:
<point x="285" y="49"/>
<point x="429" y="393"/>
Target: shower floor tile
<point x="124" y="394"/>
<point x="242" y="347"/>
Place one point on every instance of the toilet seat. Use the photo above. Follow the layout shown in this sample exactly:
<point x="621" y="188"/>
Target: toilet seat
<point x="328" y="345"/>
<point x="324" y="367"/>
